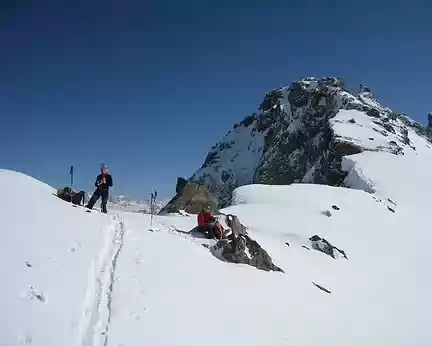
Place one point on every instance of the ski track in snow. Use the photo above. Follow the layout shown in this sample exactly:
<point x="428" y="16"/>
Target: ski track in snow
<point x="94" y="322"/>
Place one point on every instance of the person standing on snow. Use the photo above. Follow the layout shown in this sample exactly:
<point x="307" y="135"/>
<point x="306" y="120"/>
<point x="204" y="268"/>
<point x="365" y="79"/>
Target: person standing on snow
<point x="209" y="225"/>
<point x="102" y="184"/>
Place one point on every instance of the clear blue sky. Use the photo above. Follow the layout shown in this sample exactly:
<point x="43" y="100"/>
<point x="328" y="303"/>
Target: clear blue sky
<point x="149" y="86"/>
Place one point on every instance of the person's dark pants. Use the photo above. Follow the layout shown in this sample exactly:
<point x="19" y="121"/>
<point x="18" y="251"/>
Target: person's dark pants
<point x="97" y="194"/>
<point x="211" y="231"/>
<point x="78" y="198"/>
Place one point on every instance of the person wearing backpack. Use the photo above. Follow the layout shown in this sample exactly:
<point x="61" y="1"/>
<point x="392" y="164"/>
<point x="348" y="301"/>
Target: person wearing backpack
<point x="70" y="195"/>
<point x="103" y="183"/>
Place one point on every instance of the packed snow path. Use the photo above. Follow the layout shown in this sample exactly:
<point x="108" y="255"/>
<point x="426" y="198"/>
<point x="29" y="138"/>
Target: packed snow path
<point x="93" y="327"/>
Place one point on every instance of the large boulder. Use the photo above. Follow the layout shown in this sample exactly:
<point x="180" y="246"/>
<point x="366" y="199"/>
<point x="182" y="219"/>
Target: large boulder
<point x="190" y="197"/>
<point x="244" y="250"/>
<point x="240" y="248"/>
<point x="181" y="183"/>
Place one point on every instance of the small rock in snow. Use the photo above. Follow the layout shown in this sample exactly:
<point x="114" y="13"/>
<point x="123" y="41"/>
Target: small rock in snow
<point x="322" y="245"/>
<point x="371" y="138"/>
<point x="28" y="264"/>
<point x="32" y="292"/>
<point x="352" y="121"/>
<point x="287" y="244"/>
<point x="326" y="213"/>
<point x="388" y="199"/>
<point x="335" y="207"/>
<point x="322" y="288"/>
<point x="305" y="247"/>
<point x="392" y="210"/>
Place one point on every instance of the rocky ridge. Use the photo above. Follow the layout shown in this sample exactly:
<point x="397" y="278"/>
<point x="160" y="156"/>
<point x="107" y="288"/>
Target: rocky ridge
<point x="300" y="135"/>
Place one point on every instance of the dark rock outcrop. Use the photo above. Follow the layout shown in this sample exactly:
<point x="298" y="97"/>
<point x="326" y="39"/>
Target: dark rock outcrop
<point x="346" y="148"/>
<point x="236" y="226"/>
<point x="244" y="250"/>
<point x="301" y="134"/>
<point x="240" y="248"/>
<point x="429" y="126"/>
<point x="181" y="183"/>
<point x="191" y="197"/>
<point x="322" y="245"/>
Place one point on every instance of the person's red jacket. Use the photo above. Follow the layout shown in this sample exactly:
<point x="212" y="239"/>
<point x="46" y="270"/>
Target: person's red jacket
<point x="204" y="218"/>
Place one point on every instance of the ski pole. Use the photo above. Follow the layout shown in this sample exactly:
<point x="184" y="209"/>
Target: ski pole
<point x="151" y="210"/>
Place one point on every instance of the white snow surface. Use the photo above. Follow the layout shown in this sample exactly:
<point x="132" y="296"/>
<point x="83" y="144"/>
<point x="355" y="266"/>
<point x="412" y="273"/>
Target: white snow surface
<point x="100" y="279"/>
<point x="365" y="133"/>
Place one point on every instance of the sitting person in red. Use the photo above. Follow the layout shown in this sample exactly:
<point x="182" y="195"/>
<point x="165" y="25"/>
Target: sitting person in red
<point x="209" y="225"/>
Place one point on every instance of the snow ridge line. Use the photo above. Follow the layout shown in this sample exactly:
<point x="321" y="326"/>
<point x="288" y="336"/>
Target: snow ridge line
<point x="92" y="329"/>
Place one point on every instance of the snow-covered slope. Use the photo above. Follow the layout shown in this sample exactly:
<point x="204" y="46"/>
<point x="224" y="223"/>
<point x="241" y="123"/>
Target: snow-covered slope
<point x="301" y="134"/>
<point x="51" y="256"/>
<point x="379" y="295"/>
<point x="75" y="278"/>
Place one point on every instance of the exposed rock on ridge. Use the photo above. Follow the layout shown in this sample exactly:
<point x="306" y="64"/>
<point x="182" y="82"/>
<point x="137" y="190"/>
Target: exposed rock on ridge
<point x="190" y="197"/>
<point x="301" y="134"/>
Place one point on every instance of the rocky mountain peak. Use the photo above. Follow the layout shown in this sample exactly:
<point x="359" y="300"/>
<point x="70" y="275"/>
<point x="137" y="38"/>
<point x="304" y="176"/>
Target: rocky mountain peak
<point x="300" y="134"/>
<point x="364" y="90"/>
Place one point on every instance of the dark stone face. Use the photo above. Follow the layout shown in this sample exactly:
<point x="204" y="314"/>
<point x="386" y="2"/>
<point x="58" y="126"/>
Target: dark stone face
<point x="245" y="250"/>
<point x="248" y="120"/>
<point x="181" y="183"/>
<point x="225" y="176"/>
<point x="345" y="148"/>
<point x="192" y="198"/>
<point x="211" y="159"/>
<point x="298" y="95"/>
<point x="388" y="127"/>
<point x="373" y="113"/>
<point x="270" y="100"/>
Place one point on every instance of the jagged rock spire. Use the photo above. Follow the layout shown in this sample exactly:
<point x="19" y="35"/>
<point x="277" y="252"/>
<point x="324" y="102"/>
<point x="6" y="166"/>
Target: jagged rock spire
<point x="365" y="91"/>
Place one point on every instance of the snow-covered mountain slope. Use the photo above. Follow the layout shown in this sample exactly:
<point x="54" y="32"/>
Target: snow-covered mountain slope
<point x="301" y="134"/>
<point x="51" y="255"/>
<point x="75" y="278"/>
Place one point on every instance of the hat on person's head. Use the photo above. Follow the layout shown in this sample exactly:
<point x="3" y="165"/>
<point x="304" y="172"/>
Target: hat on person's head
<point x="103" y="167"/>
